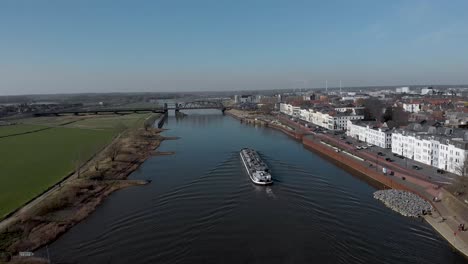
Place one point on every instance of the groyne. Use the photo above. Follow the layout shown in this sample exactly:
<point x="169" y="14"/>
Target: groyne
<point x="403" y="202"/>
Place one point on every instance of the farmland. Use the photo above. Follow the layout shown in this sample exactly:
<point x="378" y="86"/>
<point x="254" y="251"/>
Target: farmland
<point x="18" y="129"/>
<point x="31" y="163"/>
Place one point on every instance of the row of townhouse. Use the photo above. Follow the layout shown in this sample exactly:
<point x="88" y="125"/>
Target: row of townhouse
<point x="290" y="110"/>
<point x="441" y="147"/>
<point x="371" y="133"/>
<point x="331" y="119"/>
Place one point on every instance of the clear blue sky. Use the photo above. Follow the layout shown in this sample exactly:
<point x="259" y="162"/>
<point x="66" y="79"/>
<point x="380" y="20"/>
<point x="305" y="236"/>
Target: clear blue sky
<point x="102" y="46"/>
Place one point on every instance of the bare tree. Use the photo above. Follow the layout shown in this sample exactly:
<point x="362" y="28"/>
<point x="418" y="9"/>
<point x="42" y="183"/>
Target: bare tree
<point x="373" y="108"/>
<point x="400" y="116"/>
<point x="114" y="150"/>
<point x="96" y="165"/>
<point x="147" y="125"/>
<point x="266" y="108"/>
<point x="462" y="179"/>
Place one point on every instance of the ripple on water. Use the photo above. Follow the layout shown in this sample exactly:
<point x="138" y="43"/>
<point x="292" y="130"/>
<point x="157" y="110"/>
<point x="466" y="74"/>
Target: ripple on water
<point x="313" y="213"/>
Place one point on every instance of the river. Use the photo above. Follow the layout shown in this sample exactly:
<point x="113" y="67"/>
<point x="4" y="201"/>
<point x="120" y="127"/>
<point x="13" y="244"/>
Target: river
<point x="202" y="208"/>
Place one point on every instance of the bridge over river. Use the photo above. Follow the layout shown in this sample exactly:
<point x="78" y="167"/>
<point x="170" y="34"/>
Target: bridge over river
<point x="123" y="110"/>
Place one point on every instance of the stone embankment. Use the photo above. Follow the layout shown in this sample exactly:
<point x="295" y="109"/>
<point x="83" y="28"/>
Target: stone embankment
<point x="403" y="202"/>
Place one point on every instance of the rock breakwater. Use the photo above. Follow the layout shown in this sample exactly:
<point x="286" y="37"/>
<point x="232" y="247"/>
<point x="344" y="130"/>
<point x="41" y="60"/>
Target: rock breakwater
<point x="403" y="202"/>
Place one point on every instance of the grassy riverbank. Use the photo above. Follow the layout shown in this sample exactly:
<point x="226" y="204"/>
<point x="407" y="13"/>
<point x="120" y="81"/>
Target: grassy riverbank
<point x="32" y="162"/>
<point x="61" y="207"/>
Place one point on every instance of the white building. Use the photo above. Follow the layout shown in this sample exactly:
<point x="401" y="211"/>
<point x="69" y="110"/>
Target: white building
<point x="290" y="110"/>
<point x="412" y="107"/>
<point x="428" y="90"/>
<point x="368" y="132"/>
<point x="326" y="118"/>
<point x="352" y="109"/>
<point x="332" y="120"/>
<point x="402" y="90"/>
<point x="443" y="148"/>
<point x="354" y="98"/>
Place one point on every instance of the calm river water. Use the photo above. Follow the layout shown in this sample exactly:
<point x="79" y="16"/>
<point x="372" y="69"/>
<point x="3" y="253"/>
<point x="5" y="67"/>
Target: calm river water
<point x="202" y="208"/>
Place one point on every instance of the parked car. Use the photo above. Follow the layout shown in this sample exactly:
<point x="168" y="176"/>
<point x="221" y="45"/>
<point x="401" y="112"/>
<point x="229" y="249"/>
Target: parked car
<point x="358" y="147"/>
<point x="440" y="171"/>
<point x="381" y="154"/>
<point x="396" y="155"/>
<point x="389" y="160"/>
<point x="349" y="143"/>
<point x="364" y="147"/>
<point x="416" y="167"/>
<point x="369" y="145"/>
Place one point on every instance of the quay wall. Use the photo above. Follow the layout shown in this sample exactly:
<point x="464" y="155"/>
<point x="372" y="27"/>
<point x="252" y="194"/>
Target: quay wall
<point x="290" y="133"/>
<point x="353" y="164"/>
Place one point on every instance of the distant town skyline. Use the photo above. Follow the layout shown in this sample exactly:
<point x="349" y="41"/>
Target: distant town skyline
<point x="170" y="46"/>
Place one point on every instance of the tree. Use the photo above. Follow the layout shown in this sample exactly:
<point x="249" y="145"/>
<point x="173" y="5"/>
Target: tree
<point x="462" y="180"/>
<point x="147" y="125"/>
<point x="400" y="116"/>
<point x="373" y="108"/>
<point x="388" y="114"/>
<point x="114" y="150"/>
<point x="266" y="108"/>
<point x="96" y="165"/>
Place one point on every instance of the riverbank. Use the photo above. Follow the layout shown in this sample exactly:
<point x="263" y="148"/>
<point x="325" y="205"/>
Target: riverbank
<point x="444" y="219"/>
<point x="47" y="217"/>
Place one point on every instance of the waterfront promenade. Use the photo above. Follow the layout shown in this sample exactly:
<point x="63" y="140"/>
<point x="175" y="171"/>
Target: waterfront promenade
<point x="445" y="219"/>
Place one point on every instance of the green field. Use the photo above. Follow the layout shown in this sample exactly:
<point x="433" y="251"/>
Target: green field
<point x="17" y="129"/>
<point x="110" y="122"/>
<point x="31" y="163"/>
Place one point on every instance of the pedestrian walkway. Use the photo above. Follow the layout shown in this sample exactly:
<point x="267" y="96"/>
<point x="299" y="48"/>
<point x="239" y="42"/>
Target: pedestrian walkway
<point x="444" y="220"/>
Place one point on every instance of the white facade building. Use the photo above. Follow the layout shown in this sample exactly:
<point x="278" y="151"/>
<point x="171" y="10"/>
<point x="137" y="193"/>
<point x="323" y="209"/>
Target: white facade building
<point x="331" y="120"/>
<point x="428" y="90"/>
<point x="354" y="98"/>
<point x="412" y="107"/>
<point x="304" y="114"/>
<point x="402" y="90"/>
<point x="290" y="110"/>
<point x="353" y="110"/>
<point x="443" y="148"/>
<point x="365" y="131"/>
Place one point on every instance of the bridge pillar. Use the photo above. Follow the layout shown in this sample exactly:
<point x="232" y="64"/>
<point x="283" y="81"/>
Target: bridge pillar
<point x="177" y="109"/>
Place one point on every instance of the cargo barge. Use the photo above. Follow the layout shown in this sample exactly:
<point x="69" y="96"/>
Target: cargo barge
<point x="257" y="169"/>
